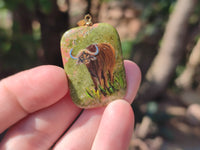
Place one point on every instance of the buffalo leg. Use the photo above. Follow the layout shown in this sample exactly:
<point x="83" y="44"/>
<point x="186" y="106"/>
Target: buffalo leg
<point x="105" y="76"/>
<point x="111" y="76"/>
<point x="95" y="83"/>
<point x="99" y="74"/>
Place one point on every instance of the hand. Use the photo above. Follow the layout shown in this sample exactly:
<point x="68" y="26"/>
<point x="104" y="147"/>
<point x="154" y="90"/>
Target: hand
<point x="37" y="109"/>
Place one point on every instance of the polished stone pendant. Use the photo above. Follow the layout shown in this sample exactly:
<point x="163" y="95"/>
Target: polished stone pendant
<point x="92" y="59"/>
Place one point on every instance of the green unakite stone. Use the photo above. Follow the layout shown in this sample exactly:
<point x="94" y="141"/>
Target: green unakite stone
<point x="92" y="59"/>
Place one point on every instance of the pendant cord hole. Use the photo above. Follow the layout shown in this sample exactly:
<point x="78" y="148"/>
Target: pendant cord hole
<point x="88" y="17"/>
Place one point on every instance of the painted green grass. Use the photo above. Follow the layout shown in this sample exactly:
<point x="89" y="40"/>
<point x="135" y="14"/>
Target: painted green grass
<point x="92" y="93"/>
<point x="119" y="83"/>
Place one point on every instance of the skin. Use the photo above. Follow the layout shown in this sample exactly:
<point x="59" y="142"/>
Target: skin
<point x="36" y="108"/>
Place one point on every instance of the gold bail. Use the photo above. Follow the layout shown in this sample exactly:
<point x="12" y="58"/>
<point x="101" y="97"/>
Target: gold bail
<point x="87" y="21"/>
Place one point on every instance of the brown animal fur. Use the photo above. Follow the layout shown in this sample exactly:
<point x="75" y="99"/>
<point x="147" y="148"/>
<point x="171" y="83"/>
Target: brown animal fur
<point x="101" y="66"/>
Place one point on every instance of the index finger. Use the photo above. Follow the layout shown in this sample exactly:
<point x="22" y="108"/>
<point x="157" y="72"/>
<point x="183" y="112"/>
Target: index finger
<point x="30" y="91"/>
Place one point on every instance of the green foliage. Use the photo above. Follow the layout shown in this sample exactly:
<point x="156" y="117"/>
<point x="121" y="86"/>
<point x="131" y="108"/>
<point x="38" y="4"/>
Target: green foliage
<point x="194" y="18"/>
<point x="179" y="70"/>
<point x="10" y="4"/>
<point x="18" y="55"/>
<point x="45" y="6"/>
<point x="18" y="51"/>
<point x="126" y="49"/>
<point x="2" y="4"/>
<point x="106" y="0"/>
<point x="5" y="43"/>
<point x="154" y="15"/>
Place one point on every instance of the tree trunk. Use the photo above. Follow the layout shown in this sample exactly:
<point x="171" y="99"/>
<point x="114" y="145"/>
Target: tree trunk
<point x="24" y="18"/>
<point x="93" y="9"/>
<point x="186" y="78"/>
<point x="170" y="52"/>
<point x="53" y="26"/>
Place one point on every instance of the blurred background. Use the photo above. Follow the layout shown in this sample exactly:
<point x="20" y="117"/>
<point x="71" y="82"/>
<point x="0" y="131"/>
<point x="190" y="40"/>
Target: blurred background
<point x="161" y="36"/>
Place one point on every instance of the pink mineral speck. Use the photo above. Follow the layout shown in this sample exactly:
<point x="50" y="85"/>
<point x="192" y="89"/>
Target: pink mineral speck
<point x="67" y="42"/>
<point x="95" y="25"/>
<point x="65" y="55"/>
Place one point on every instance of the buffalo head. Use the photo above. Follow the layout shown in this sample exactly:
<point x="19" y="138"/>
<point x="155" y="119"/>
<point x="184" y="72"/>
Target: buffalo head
<point x="85" y="56"/>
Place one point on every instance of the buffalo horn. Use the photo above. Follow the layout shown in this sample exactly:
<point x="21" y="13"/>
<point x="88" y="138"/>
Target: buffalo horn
<point x="70" y="53"/>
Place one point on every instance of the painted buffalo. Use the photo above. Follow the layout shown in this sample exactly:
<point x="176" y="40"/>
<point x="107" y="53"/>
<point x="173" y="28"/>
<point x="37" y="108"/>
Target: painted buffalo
<point x="99" y="60"/>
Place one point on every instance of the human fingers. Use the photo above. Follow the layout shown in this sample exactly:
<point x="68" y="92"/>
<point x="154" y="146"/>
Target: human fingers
<point x="87" y="124"/>
<point x="30" y="91"/>
<point x="116" y="127"/>
<point x="133" y="78"/>
<point x="41" y="129"/>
